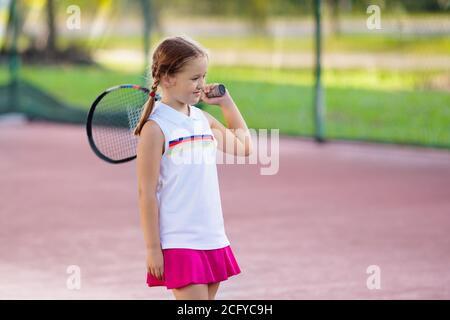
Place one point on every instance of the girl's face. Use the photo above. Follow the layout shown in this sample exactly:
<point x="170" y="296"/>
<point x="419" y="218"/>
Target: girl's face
<point x="187" y="84"/>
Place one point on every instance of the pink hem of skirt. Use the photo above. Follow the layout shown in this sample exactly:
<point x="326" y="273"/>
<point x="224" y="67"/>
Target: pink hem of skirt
<point x="185" y="266"/>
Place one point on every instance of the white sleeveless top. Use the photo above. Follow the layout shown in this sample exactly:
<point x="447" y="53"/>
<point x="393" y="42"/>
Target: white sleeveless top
<point x="190" y="211"/>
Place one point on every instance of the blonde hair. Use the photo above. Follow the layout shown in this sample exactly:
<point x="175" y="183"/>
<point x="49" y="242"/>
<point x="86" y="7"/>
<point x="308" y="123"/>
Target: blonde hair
<point x="169" y="58"/>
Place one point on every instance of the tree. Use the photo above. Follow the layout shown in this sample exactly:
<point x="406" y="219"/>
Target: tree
<point x="51" y="36"/>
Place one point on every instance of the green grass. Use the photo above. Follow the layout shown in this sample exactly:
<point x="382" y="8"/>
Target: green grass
<point x="376" y="43"/>
<point x="378" y="105"/>
<point x="75" y="85"/>
<point x="344" y="43"/>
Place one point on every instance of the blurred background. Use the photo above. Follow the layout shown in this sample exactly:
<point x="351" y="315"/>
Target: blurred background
<point x="387" y="84"/>
<point x="371" y="77"/>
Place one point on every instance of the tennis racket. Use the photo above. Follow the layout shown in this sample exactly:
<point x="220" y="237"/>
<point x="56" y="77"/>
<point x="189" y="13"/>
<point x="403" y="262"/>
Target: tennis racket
<point x="114" y="115"/>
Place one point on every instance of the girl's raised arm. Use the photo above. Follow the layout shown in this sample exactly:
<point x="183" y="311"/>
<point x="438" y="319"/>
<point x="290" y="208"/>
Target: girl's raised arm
<point x="234" y="139"/>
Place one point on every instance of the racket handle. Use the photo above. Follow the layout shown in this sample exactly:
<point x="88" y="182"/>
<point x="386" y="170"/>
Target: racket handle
<point x="217" y="91"/>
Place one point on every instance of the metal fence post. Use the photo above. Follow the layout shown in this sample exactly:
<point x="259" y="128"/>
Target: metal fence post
<point x="318" y="91"/>
<point x="147" y="11"/>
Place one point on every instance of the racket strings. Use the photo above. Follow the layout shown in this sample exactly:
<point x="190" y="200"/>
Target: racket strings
<point x="115" y="117"/>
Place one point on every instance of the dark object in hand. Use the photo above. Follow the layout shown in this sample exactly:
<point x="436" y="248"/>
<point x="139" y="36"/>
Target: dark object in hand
<point x="217" y="91"/>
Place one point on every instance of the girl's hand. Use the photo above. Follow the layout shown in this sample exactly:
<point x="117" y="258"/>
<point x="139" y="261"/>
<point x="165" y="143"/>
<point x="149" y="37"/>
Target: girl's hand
<point x="226" y="98"/>
<point x="155" y="263"/>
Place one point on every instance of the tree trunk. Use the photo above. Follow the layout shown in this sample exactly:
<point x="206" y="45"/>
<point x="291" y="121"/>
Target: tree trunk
<point x="51" y="37"/>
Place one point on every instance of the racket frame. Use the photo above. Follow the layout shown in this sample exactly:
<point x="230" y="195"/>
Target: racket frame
<point x="90" y="116"/>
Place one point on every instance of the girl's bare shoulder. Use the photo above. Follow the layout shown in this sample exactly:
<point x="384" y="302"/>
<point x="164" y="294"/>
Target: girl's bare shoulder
<point x="151" y="137"/>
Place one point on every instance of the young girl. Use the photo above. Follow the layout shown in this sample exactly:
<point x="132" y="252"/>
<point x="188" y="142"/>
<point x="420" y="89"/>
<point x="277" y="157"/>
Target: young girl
<point x="179" y="198"/>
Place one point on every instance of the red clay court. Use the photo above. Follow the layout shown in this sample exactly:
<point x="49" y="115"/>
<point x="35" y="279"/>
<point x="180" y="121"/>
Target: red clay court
<point x="308" y="232"/>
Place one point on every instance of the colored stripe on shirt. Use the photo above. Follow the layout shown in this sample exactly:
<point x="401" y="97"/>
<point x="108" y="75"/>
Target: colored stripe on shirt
<point x="201" y="137"/>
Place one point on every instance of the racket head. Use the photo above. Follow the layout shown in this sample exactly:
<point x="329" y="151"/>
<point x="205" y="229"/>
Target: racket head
<point x="111" y="121"/>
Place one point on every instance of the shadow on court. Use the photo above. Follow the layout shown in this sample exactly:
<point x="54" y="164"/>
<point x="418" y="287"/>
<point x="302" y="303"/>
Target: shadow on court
<point x="308" y="232"/>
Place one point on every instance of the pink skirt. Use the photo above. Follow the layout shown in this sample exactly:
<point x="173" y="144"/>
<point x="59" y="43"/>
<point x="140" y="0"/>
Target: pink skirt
<point x="186" y="266"/>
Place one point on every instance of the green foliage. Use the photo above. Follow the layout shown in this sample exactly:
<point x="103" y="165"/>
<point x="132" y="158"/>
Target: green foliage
<point x="380" y="105"/>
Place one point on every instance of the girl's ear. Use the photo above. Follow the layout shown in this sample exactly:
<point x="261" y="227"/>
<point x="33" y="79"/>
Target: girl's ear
<point x="168" y="81"/>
